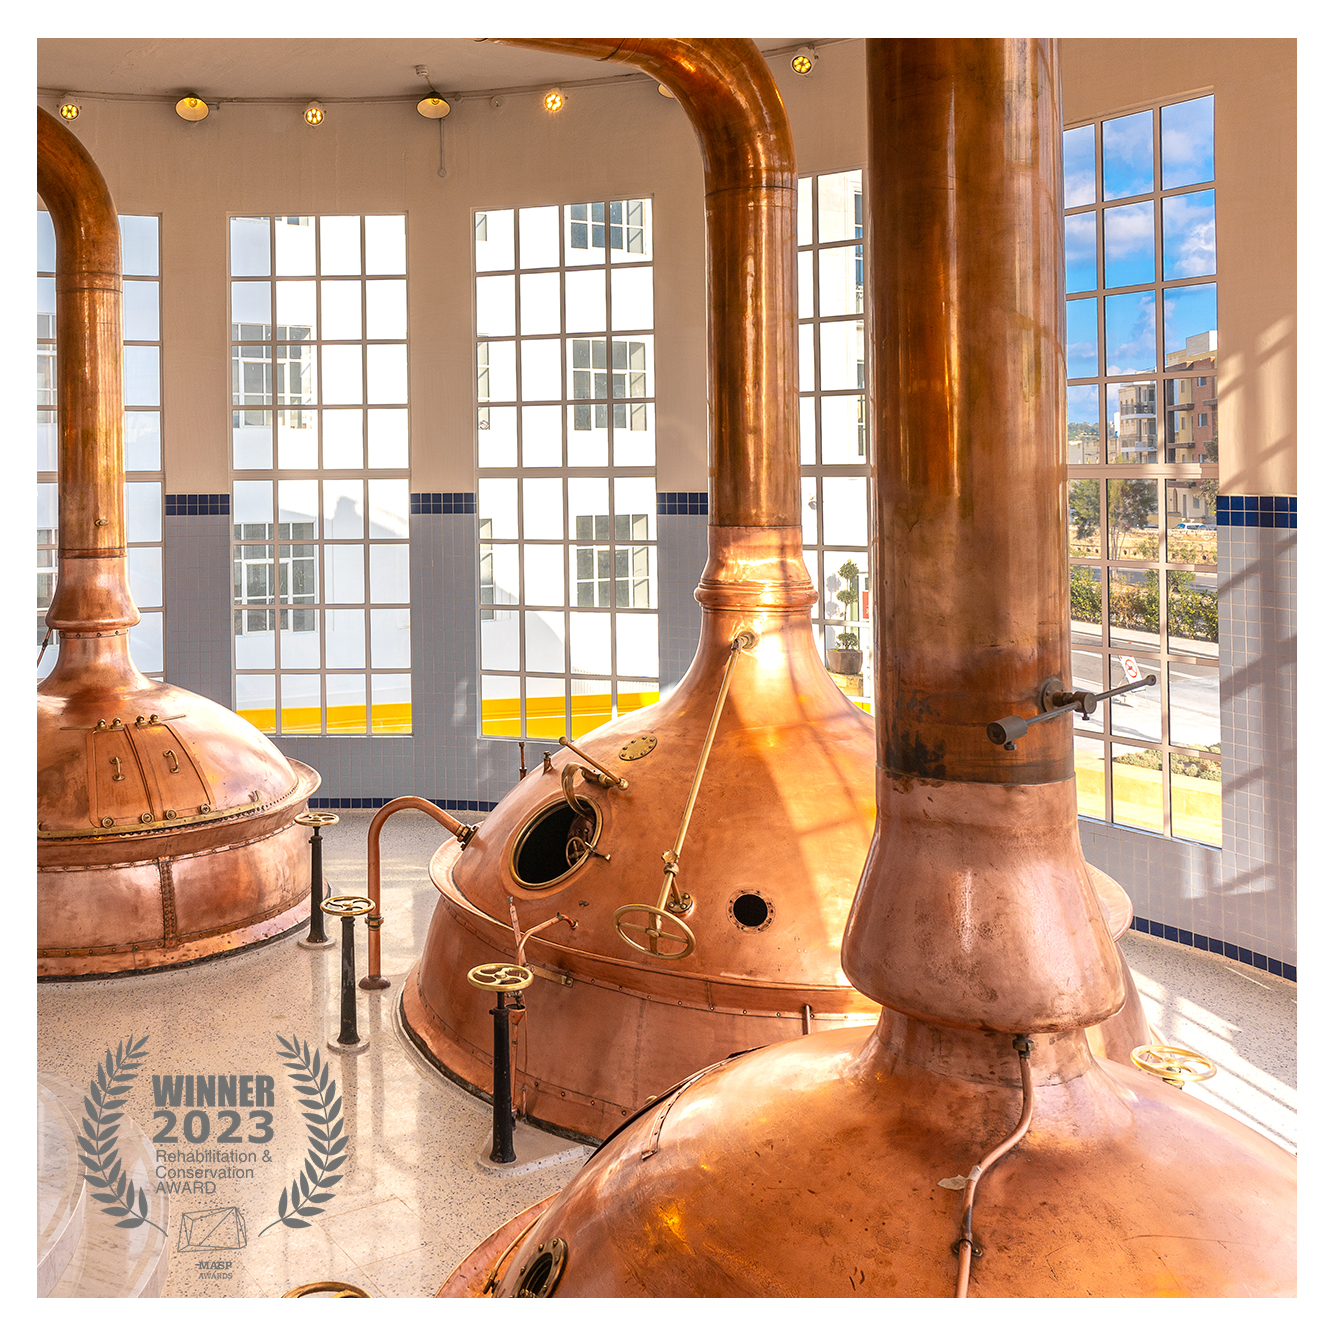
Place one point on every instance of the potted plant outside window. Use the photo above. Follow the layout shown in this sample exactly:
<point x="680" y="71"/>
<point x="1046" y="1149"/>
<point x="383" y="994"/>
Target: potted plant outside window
<point x="846" y="657"/>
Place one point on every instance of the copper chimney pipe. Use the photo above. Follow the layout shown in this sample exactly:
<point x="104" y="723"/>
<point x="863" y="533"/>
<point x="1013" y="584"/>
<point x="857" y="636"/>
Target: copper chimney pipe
<point x="849" y="1163"/>
<point x="976" y="907"/>
<point x="164" y="830"/>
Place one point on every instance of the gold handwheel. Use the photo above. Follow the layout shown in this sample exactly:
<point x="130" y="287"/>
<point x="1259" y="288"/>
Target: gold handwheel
<point x="348" y="906"/>
<point x="316" y="818"/>
<point x="337" y="1287"/>
<point x="500" y="977"/>
<point x="660" y="942"/>
<point x="1173" y="1065"/>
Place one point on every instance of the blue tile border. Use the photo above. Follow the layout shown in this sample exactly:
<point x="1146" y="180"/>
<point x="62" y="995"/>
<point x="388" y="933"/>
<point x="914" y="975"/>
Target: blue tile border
<point x="683" y="502"/>
<point x="1215" y="947"/>
<point x="1257" y="512"/>
<point x="375" y="803"/>
<point x="189" y="503"/>
<point x="443" y="502"/>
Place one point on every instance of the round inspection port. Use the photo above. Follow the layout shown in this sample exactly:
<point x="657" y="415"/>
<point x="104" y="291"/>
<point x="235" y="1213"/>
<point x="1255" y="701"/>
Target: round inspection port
<point x="554" y="843"/>
<point x="750" y="911"/>
<point x="541" y="1275"/>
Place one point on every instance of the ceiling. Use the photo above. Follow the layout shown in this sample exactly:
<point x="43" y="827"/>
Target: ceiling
<point x="307" y="67"/>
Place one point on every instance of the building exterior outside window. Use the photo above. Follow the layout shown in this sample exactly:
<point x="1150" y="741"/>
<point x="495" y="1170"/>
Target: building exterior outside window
<point x="832" y="379"/>
<point x="1143" y="465"/>
<point x="319" y="328"/>
<point x="142" y="325"/>
<point x="566" y="503"/>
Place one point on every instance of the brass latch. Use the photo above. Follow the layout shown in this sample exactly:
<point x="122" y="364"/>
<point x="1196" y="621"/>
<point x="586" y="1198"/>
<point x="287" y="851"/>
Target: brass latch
<point x="118" y="776"/>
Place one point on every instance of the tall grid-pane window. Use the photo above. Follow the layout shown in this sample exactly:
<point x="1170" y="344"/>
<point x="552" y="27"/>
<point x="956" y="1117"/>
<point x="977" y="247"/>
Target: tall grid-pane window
<point x="1143" y="456"/>
<point x="142" y="326"/>
<point x="319" y="329"/>
<point x="832" y="378"/>
<point x="567" y="514"/>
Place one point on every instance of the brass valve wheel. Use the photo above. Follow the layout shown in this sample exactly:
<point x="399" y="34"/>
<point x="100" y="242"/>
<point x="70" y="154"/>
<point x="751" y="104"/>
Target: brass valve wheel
<point x="317" y="818"/>
<point x="651" y="929"/>
<point x="348" y="906"/>
<point x="500" y="977"/>
<point x="1173" y="1065"/>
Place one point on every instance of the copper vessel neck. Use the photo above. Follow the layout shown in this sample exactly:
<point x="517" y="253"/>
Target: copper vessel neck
<point x="975" y="909"/>
<point x="729" y="95"/>
<point x="93" y="592"/>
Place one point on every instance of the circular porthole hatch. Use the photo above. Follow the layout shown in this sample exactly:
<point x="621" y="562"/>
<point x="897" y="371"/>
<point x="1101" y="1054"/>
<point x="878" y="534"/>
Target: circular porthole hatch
<point x="750" y="911"/>
<point x="554" y="843"/>
<point x="543" y="1271"/>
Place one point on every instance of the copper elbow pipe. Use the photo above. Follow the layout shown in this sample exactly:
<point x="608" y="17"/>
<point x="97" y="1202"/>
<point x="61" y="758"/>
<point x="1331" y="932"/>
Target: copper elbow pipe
<point x="729" y="94"/>
<point x="93" y="592"/>
<point x="374" y="980"/>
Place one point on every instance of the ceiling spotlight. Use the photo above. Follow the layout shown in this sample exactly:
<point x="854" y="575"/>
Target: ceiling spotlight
<point x="805" y="60"/>
<point x="554" y="100"/>
<point x="192" y="108"/>
<point x="665" y="91"/>
<point x="433" y="107"/>
<point x="69" y="107"/>
<point x="314" y="114"/>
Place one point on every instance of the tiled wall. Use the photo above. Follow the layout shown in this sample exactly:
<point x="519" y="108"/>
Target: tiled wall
<point x="444" y="759"/>
<point x="1240" y="901"/>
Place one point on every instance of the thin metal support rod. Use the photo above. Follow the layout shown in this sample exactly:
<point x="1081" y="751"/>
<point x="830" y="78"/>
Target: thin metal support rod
<point x="317" y="935"/>
<point x="613" y="780"/>
<point x="745" y="640"/>
<point x="502" y="1115"/>
<point x="347" y="1029"/>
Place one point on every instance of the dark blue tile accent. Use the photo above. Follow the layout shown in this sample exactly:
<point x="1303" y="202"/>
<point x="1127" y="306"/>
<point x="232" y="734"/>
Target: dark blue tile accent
<point x="188" y="503"/>
<point x="443" y="502"/>
<point x="1215" y="947"/>
<point x="1257" y="512"/>
<point x="1252" y="518"/>
<point x="1251" y="502"/>
<point x="375" y="803"/>
<point x="683" y="502"/>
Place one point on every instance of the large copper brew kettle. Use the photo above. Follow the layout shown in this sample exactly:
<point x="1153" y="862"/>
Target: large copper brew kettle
<point x="785" y="803"/>
<point x="164" y="821"/>
<point x="969" y="1143"/>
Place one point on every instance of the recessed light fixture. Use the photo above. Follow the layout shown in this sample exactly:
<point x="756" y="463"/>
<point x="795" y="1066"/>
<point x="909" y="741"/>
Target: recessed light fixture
<point x="314" y="114"/>
<point x="191" y="108"/>
<point x="69" y="107"/>
<point x="805" y="60"/>
<point x="554" y="100"/>
<point x="665" y="91"/>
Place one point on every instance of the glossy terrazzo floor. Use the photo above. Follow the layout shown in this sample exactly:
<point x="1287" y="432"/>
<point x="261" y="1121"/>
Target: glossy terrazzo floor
<point x="413" y="1198"/>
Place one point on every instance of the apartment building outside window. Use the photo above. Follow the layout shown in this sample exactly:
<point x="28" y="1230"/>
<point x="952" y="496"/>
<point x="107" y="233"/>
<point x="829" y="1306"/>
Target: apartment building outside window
<point x="1143" y="464"/>
<point x="567" y="513"/>
<point x="142" y="329"/>
<point x="319" y="421"/>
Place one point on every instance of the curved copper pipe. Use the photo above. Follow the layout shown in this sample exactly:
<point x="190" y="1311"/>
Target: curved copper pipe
<point x="728" y="93"/>
<point x="374" y="980"/>
<point x="93" y="593"/>
<point x="975" y="907"/>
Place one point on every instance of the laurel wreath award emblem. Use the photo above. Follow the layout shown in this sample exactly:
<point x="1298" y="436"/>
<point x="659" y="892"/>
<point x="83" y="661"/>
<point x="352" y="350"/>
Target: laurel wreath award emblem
<point x="327" y="1142"/>
<point x="105" y="1097"/>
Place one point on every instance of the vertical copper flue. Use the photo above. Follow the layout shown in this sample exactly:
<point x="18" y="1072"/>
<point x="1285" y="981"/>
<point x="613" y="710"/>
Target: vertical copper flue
<point x="976" y="907"/>
<point x="164" y="829"/>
